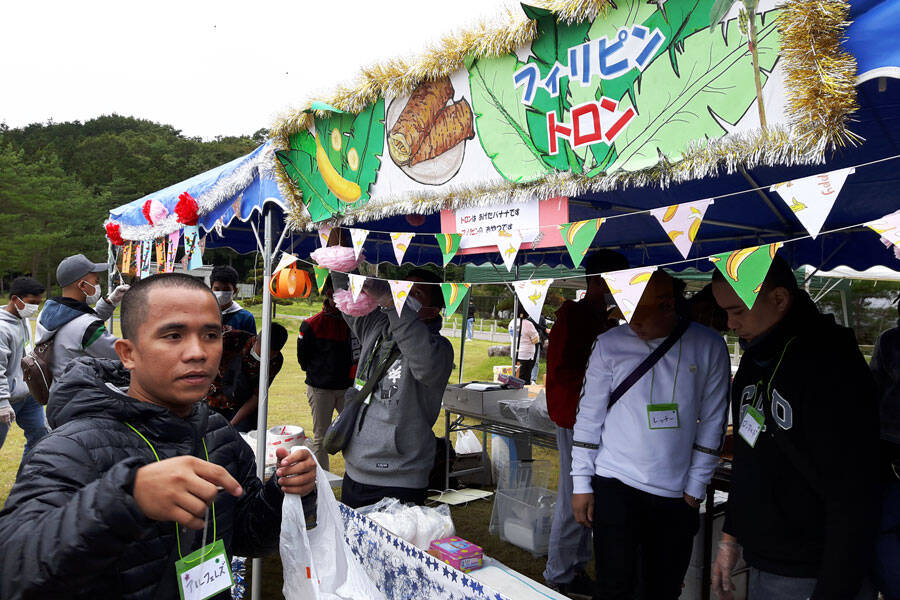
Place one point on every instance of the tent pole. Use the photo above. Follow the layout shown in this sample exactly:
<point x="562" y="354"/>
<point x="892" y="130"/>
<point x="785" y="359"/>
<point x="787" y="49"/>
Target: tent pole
<point x="462" y="334"/>
<point x="514" y="350"/>
<point x="262" y="416"/>
<point x="110" y="277"/>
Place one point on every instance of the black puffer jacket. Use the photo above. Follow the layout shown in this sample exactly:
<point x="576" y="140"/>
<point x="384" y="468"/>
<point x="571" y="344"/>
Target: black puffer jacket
<point x="71" y="527"/>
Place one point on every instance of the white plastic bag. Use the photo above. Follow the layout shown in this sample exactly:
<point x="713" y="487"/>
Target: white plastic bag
<point x="318" y="564"/>
<point x="467" y="442"/>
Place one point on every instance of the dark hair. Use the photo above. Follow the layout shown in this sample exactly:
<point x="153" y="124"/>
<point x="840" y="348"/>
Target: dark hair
<point x="25" y="286"/>
<point x="279" y="337"/>
<point x="225" y="274"/>
<point x="603" y="261"/>
<point x="437" y="296"/>
<point x="328" y="286"/>
<point x="780" y="275"/>
<point x="135" y="305"/>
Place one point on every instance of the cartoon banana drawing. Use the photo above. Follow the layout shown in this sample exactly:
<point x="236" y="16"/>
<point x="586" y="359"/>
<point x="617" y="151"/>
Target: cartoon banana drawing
<point x="694" y="228"/>
<point x="796" y="205"/>
<point x="670" y="213"/>
<point x="535" y="297"/>
<point x="454" y="292"/>
<point x="504" y="233"/>
<point x="674" y="234"/>
<point x="735" y="259"/>
<point x="696" y="210"/>
<point x="401" y="294"/>
<point x="639" y="278"/>
<point x="773" y="248"/>
<point x="401" y="247"/>
<point x="447" y="243"/>
<point x="344" y="189"/>
<point x="509" y="251"/>
<point x="759" y="287"/>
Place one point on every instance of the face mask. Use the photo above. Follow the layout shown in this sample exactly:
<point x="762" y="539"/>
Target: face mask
<point x="93" y="298"/>
<point x="27" y="311"/>
<point x="254" y="354"/>
<point x="224" y="298"/>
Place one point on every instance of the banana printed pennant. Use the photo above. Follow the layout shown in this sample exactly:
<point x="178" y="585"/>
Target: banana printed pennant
<point x="627" y="287"/>
<point x="888" y="227"/>
<point x="356" y="285"/>
<point x="579" y="236"/>
<point x="681" y="222"/>
<point x="508" y="243"/>
<point x="449" y="244"/>
<point x="400" y="291"/>
<point x="359" y="238"/>
<point x="454" y="293"/>
<point x="324" y="234"/>
<point x="746" y="269"/>
<point x="321" y="276"/>
<point x="811" y="198"/>
<point x="532" y="294"/>
<point x="400" y="241"/>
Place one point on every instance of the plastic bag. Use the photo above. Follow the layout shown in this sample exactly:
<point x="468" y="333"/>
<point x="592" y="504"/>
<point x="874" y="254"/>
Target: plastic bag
<point x="318" y="564"/>
<point x="467" y="443"/>
<point x="418" y="525"/>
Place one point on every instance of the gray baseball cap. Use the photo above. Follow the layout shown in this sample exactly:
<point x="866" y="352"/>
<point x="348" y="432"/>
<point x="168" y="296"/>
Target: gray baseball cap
<point x="73" y="268"/>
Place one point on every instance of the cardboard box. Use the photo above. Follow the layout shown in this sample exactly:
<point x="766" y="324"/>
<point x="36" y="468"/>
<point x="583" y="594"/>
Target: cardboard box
<point x="457" y="553"/>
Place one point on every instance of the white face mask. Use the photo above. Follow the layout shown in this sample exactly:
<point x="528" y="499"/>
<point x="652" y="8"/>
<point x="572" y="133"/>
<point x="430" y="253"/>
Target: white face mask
<point x="224" y="298"/>
<point x="27" y="311"/>
<point x="254" y="354"/>
<point x="93" y="298"/>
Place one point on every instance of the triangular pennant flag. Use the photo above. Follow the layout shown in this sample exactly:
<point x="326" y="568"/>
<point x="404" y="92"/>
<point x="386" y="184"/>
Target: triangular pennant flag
<point x="401" y="241"/>
<point x="356" y="285"/>
<point x="359" y="238"/>
<point x="888" y="227"/>
<point x="811" y="198"/>
<point x="508" y="243"/>
<point x="449" y="244"/>
<point x="321" y="276"/>
<point x="746" y="269"/>
<point x="146" y="257"/>
<point x="578" y="237"/>
<point x="324" y="234"/>
<point x="160" y="254"/>
<point x="127" y="253"/>
<point x="532" y="294"/>
<point x="287" y="259"/>
<point x="191" y="246"/>
<point x="400" y="291"/>
<point x="627" y="287"/>
<point x="172" y="250"/>
<point x="454" y="293"/>
<point x="681" y="222"/>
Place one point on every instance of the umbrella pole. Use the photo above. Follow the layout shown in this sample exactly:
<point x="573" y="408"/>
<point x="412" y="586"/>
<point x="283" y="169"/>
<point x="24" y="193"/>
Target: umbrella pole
<point x="262" y="416"/>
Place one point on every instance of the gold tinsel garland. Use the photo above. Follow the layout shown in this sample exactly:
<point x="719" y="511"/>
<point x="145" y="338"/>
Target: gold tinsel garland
<point x="820" y="78"/>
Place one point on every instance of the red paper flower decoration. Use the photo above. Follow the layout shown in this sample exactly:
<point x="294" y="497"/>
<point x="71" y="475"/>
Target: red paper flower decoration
<point x="187" y="210"/>
<point x="114" y="234"/>
<point x="146" y="210"/>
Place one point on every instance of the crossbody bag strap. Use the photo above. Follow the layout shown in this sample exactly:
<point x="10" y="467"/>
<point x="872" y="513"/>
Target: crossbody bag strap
<point x="648" y="363"/>
<point x="374" y="379"/>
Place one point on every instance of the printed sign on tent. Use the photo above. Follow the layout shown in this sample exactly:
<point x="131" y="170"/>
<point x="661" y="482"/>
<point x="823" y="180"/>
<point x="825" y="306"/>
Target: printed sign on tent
<point x="172" y="250"/>
<point x="192" y="250"/>
<point x="681" y="222"/>
<point x="400" y="291"/>
<point x="324" y="234"/>
<point x="160" y="245"/>
<point x="746" y="269"/>
<point x="578" y="237"/>
<point x="359" y="238"/>
<point x="321" y="276"/>
<point x="454" y="293"/>
<point x="532" y="294"/>
<point x="400" y="241"/>
<point x="449" y="244"/>
<point x="888" y="227"/>
<point x="811" y="198"/>
<point x="508" y="242"/>
<point x="356" y="285"/>
<point x="627" y="287"/>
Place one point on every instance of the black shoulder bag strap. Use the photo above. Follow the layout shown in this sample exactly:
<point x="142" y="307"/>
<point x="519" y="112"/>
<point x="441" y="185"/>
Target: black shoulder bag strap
<point x="648" y="363"/>
<point x="375" y="378"/>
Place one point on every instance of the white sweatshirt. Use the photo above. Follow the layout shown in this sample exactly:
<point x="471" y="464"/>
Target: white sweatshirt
<point x="694" y="373"/>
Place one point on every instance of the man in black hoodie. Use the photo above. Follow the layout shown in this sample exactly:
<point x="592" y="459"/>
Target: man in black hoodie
<point x="137" y="467"/>
<point x="804" y="489"/>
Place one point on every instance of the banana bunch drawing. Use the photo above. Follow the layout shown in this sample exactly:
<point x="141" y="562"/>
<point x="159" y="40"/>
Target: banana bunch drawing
<point x="627" y="287"/>
<point x="578" y="237"/>
<point x="745" y="269"/>
<point x="681" y="222"/>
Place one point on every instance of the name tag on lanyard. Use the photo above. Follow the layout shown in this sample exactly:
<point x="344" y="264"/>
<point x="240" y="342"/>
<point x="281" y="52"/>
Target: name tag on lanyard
<point x="752" y="425"/>
<point x="663" y="416"/>
<point x="204" y="572"/>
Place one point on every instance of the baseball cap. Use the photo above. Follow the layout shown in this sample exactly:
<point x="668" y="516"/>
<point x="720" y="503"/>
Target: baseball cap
<point x="73" y="268"/>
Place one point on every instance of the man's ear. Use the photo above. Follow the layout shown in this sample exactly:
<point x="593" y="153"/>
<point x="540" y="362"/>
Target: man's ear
<point x="126" y="351"/>
<point x="782" y="299"/>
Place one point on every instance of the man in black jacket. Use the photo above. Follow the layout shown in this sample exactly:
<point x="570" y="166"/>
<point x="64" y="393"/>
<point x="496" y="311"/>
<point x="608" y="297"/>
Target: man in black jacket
<point x="804" y="489"/>
<point x="137" y="467"/>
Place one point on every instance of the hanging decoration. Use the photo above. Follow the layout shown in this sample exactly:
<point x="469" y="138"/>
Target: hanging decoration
<point x="187" y="211"/>
<point x="146" y="249"/>
<point x="287" y="259"/>
<point x="508" y="242"/>
<point x="359" y="307"/>
<point x="155" y="212"/>
<point x="888" y="227"/>
<point x="811" y="198"/>
<point x="454" y="293"/>
<point x="532" y="294"/>
<point x="358" y="236"/>
<point x="449" y="245"/>
<point x="400" y="291"/>
<point x="356" y="285"/>
<point x="578" y="237"/>
<point x="127" y="254"/>
<point x="321" y="276"/>
<point x="114" y="233"/>
<point x="160" y="244"/>
<point x="627" y="287"/>
<point x="290" y="282"/>
<point x="746" y="269"/>
<point x="681" y="222"/>
<point x="400" y="241"/>
<point x="324" y="234"/>
<point x="172" y="251"/>
<point x="337" y="258"/>
<point x="192" y="258"/>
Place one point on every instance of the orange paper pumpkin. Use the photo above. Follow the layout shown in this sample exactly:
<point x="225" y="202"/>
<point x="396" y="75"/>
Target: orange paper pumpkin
<point x="290" y="283"/>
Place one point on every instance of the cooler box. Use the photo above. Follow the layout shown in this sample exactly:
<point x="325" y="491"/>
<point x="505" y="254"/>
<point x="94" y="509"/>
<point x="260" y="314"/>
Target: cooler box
<point x="524" y="516"/>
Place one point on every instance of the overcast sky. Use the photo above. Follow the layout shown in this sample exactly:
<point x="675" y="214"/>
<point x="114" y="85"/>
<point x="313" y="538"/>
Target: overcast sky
<point x="207" y="68"/>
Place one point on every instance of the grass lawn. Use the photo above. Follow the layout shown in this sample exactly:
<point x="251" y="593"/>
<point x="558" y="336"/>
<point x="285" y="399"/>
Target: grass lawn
<point x="288" y="406"/>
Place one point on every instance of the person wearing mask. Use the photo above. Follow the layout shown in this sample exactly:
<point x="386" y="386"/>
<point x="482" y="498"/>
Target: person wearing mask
<point x="75" y="320"/>
<point x="223" y="282"/>
<point x="523" y="336"/>
<point x="648" y="432"/>
<point x="325" y="353"/>
<point x="16" y="403"/>
<point x="804" y="489"/>
<point x="573" y="333"/>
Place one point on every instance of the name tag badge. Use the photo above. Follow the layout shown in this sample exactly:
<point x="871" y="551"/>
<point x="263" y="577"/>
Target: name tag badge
<point x="358" y="385"/>
<point x="663" y="416"/>
<point x="204" y="573"/>
<point x="751" y="426"/>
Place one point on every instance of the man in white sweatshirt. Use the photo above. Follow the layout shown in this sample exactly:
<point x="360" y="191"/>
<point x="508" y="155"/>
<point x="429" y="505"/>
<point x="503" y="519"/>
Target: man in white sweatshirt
<point x="641" y="466"/>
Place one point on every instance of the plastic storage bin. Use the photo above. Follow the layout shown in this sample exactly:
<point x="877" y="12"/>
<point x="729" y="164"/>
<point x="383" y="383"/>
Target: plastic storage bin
<point x="524" y="516"/>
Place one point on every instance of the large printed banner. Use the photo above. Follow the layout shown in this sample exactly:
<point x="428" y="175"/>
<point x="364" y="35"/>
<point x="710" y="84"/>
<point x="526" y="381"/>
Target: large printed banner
<point x="644" y="79"/>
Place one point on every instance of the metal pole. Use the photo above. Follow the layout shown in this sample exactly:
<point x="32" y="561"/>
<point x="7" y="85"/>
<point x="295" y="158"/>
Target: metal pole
<point x="514" y="350"/>
<point x="462" y="336"/>
<point x="110" y="278"/>
<point x="262" y="416"/>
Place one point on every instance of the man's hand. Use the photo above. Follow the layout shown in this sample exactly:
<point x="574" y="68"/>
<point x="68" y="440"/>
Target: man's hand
<point x="116" y="297"/>
<point x="7" y="414"/>
<point x="296" y="473"/>
<point x="180" y="489"/>
<point x="691" y="501"/>
<point x="583" y="509"/>
<point x="726" y="559"/>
